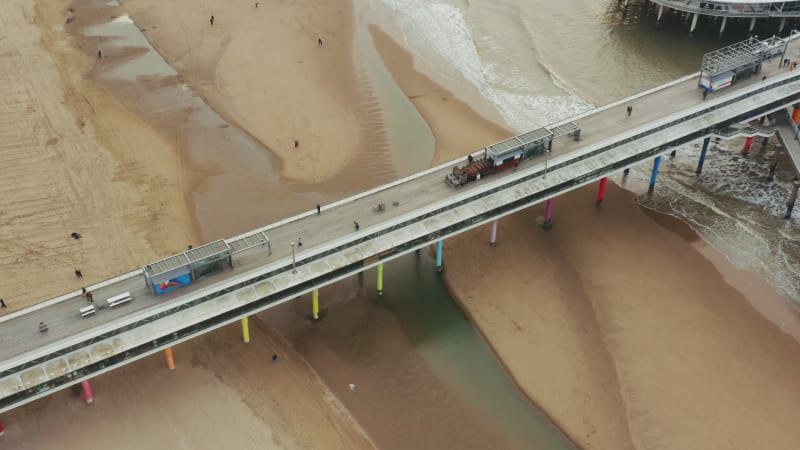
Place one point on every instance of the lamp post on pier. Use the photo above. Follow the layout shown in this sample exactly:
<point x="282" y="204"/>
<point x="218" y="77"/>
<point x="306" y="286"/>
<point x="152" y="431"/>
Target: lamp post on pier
<point x="294" y="262"/>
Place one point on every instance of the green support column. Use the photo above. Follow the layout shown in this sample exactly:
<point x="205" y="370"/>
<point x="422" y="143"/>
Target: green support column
<point x="245" y="330"/>
<point x="315" y="303"/>
<point x="380" y="279"/>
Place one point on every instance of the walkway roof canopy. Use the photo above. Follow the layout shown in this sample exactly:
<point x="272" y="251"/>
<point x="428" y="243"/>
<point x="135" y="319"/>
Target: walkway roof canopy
<point x="205" y="252"/>
<point x="740" y="55"/>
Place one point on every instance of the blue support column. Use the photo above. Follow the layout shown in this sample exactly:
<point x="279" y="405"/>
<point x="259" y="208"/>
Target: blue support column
<point x="703" y="155"/>
<point x="439" y="246"/>
<point x="653" y="176"/>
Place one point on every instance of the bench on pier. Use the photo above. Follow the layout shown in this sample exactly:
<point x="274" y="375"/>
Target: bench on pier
<point x="87" y="311"/>
<point x="119" y="299"/>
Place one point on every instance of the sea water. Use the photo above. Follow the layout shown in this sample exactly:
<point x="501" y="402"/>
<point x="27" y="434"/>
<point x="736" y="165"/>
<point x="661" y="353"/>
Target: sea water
<point x="540" y="61"/>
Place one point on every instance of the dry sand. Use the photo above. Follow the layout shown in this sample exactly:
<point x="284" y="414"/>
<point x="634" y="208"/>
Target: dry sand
<point x="73" y="159"/>
<point x="263" y="70"/>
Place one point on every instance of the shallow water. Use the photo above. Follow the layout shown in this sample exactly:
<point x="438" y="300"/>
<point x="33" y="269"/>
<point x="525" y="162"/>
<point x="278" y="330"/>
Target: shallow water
<point x="445" y="338"/>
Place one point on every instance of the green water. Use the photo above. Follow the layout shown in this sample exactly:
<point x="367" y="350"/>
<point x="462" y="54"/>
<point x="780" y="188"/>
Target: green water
<point x="443" y="336"/>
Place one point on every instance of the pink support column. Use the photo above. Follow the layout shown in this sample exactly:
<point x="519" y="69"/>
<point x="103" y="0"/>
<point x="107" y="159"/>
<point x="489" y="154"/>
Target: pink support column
<point x="601" y="192"/>
<point x="493" y="237"/>
<point x="548" y="213"/>
<point x="87" y="392"/>
<point x="747" y="143"/>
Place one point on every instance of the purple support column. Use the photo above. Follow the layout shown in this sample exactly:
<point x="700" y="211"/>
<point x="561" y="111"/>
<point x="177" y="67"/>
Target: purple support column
<point x="548" y="213"/>
<point x="493" y="237"/>
<point x="87" y="392"/>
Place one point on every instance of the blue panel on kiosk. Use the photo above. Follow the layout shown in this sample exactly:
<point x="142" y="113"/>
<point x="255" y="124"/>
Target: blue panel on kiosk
<point x="173" y="283"/>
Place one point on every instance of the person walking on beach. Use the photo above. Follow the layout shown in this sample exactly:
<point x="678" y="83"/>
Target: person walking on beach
<point x="75" y="235"/>
<point x="630" y="110"/>
<point x="274" y="357"/>
<point x="319" y="41"/>
<point x="357" y="225"/>
<point x="3" y="304"/>
<point x="212" y="21"/>
<point x="296" y="143"/>
<point x="78" y="274"/>
<point x="99" y="54"/>
<point x="318" y="209"/>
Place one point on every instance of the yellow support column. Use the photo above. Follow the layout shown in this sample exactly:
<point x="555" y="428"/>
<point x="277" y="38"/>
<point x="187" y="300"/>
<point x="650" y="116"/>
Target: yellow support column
<point x="170" y="358"/>
<point x="245" y="330"/>
<point x="315" y="303"/>
<point x="380" y="279"/>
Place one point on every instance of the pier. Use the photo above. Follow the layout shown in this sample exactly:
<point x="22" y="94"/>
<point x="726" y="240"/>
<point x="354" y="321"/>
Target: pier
<point x="141" y="312"/>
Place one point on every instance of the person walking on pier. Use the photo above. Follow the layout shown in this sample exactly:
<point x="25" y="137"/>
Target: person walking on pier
<point x="78" y="274"/>
<point x="705" y="93"/>
<point x="630" y="110"/>
<point x="299" y="243"/>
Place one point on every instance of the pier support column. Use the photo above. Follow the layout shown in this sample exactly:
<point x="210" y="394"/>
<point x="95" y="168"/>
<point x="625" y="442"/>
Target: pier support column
<point x="694" y="24"/>
<point x="772" y="168"/>
<point x="493" y="234"/>
<point x="315" y="304"/>
<point x="747" y="143"/>
<point x="601" y="191"/>
<point x="783" y="24"/>
<point x="660" y="12"/>
<point x="706" y="141"/>
<point x="170" y="358"/>
<point x="722" y="27"/>
<point x="548" y="214"/>
<point x="439" y="247"/>
<point x="87" y="392"/>
<point x="380" y="276"/>
<point x="653" y="175"/>
<point x="752" y="24"/>
<point x="792" y="200"/>
<point x="796" y="113"/>
<point x="246" y="330"/>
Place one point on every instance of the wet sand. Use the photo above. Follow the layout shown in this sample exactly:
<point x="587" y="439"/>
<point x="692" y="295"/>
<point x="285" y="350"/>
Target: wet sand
<point x="617" y="326"/>
<point x="120" y="183"/>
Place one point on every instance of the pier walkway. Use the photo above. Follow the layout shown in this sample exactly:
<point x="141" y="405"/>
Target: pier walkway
<point x="419" y="210"/>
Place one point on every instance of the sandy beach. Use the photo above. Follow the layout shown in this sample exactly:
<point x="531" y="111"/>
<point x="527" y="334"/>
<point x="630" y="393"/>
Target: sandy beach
<point x="617" y="323"/>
